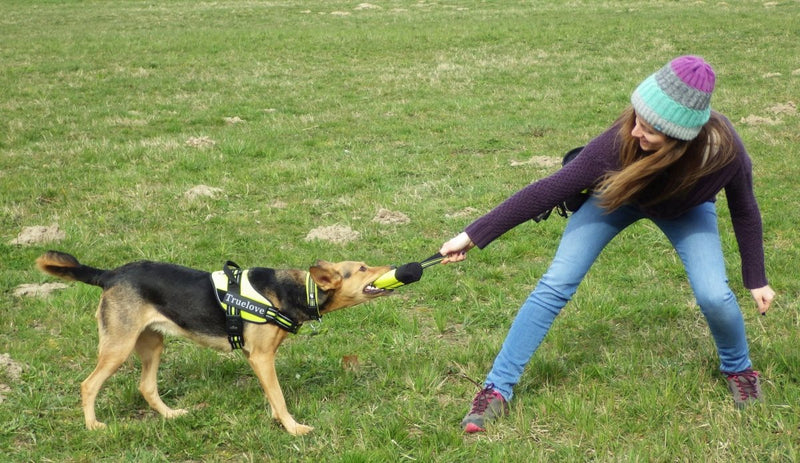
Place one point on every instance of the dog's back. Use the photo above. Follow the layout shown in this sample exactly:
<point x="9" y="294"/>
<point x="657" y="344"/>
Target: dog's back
<point x="184" y="295"/>
<point x="140" y="273"/>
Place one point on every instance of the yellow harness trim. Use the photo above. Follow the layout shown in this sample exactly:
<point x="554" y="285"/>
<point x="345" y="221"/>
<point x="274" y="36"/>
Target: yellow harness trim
<point x="248" y="292"/>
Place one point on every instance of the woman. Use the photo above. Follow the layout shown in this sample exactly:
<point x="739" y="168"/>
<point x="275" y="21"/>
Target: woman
<point x="664" y="159"/>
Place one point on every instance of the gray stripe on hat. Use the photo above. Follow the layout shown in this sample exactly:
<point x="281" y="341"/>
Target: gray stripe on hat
<point x="681" y="92"/>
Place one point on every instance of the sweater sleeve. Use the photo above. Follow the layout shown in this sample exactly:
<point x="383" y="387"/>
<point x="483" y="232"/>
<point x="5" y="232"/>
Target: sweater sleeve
<point x="746" y="220"/>
<point x="585" y="171"/>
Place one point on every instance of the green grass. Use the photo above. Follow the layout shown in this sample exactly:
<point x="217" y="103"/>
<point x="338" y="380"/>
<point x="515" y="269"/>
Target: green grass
<point x="417" y="107"/>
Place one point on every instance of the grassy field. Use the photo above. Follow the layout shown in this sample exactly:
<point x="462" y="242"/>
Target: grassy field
<point x="393" y="124"/>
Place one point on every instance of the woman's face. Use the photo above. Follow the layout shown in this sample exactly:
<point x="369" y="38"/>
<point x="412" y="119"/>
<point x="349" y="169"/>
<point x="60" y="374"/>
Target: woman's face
<point x="649" y="138"/>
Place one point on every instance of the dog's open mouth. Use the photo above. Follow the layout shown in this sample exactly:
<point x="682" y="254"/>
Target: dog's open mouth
<point x="372" y="290"/>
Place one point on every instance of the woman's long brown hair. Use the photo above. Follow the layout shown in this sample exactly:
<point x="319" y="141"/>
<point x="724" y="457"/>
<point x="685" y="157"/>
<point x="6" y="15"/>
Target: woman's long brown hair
<point x="677" y="165"/>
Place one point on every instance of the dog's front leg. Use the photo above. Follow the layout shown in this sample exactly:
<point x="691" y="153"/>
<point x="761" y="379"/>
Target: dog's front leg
<point x="262" y="359"/>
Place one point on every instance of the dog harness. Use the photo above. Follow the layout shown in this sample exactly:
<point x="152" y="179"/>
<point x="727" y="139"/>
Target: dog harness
<point x="243" y="303"/>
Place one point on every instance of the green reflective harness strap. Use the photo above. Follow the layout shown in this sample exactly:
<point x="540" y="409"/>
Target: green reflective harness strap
<point x="233" y="319"/>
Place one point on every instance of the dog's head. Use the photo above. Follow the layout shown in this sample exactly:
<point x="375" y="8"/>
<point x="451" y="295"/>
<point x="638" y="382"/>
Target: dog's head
<point x="347" y="283"/>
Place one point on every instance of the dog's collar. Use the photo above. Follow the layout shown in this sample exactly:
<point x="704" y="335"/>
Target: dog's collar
<point x="312" y="297"/>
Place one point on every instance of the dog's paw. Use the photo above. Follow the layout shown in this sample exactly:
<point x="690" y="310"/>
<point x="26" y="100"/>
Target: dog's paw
<point x="300" y="429"/>
<point x="174" y="413"/>
<point x="95" y="425"/>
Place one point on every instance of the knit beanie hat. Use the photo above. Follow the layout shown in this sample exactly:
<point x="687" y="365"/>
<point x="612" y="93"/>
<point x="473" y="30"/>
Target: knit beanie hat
<point x="675" y="100"/>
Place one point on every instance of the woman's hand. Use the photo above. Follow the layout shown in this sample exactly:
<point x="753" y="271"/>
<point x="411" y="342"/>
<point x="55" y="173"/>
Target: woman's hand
<point x="456" y="249"/>
<point x="763" y="297"/>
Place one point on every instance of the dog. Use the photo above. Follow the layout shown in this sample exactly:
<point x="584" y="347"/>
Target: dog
<point x="142" y="301"/>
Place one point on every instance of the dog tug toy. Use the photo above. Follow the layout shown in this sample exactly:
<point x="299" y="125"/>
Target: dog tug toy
<point x="406" y="273"/>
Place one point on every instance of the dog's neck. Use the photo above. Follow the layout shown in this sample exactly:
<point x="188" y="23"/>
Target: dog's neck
<point x="300" y="298"/>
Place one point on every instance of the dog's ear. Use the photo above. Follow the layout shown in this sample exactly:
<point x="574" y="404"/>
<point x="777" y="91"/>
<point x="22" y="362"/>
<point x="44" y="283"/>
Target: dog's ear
<point x="325" y="275"/>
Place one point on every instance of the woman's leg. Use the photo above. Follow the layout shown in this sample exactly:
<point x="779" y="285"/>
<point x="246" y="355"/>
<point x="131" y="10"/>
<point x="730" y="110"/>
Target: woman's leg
<point x="696" y="238"/>
<point x="588" y="231"/>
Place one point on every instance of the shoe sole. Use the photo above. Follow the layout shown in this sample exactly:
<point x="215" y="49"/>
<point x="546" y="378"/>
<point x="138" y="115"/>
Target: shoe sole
<point x="473" y="428"/>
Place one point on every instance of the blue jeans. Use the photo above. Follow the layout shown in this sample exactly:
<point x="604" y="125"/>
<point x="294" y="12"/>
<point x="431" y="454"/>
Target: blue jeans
<point x="695" y="237"/>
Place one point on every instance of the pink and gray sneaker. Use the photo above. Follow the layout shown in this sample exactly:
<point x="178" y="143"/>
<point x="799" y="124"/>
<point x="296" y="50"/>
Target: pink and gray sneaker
<point x="745" y="387"/>
<point x="487" y="406"/>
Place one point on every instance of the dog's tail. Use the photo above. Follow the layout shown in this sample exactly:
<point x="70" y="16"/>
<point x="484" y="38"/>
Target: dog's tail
<point x="67" y="267"/>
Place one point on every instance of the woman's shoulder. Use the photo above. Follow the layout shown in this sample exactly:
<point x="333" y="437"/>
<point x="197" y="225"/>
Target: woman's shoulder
<point x="604" y="146"/>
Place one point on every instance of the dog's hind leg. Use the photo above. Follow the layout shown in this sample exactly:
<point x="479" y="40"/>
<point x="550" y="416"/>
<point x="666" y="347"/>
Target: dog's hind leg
<point x="110" y="357"/>
<point x="149" y="346"/>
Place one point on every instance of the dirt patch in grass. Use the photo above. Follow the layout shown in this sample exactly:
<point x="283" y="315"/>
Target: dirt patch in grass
<point x="539" y="161"/>
<point x="342" y="234"/>
<point x="202" y="191"/>
<point x="789" y="108"/>
<point x="200" y="142"/>
<point x="387" y="217"/>
<point x="463" y="213"/>
<point x="779" y="109"/>
<point x="338" y="234"/>
<point x="37" y="290"/>
<point x="11" y="371"/>
<point x="759" y="120"/>
<point x="233" y="120"/>
<point x="39" y="234"/>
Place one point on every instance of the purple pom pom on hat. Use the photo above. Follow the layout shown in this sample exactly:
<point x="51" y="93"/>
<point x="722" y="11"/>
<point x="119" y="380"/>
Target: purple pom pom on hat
<point x="676" y="99"/>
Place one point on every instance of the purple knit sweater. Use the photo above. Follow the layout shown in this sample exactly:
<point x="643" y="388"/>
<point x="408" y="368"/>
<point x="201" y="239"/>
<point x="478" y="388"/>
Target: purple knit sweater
<point x="602" y="155"/>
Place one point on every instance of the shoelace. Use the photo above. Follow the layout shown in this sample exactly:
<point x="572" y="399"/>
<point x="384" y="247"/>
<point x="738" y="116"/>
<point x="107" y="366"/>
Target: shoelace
<point x="746" y="384"/>
<point x="481" y="402"/>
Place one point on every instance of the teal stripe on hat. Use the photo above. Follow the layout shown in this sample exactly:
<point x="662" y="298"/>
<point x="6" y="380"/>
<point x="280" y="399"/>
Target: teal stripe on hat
<point x="665" y="114"/>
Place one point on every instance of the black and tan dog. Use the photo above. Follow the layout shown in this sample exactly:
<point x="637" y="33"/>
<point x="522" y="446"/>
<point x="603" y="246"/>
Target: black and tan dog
<point x="142" y="301"/>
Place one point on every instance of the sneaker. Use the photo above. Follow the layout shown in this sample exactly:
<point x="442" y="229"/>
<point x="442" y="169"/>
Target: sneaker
<point x="487" y="406"/>
<point x="744" y="387"/>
